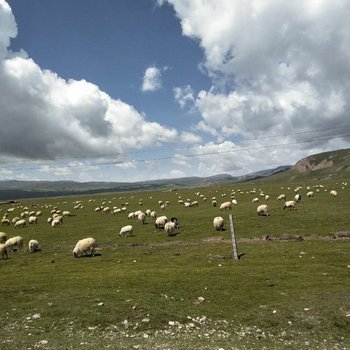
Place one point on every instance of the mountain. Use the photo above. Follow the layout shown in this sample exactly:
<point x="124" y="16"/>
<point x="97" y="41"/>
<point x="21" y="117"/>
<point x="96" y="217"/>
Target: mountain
<point x="322" y="166"/>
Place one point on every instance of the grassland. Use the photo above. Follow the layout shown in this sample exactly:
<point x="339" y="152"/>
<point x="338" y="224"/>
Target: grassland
<point x="142" y="292"/>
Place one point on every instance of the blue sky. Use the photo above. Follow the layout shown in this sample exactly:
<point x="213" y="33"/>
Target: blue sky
<point x="132" y="90"/>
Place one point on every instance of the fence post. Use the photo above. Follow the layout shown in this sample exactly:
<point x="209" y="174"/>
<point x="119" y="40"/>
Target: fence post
<point x="234" y="242"/>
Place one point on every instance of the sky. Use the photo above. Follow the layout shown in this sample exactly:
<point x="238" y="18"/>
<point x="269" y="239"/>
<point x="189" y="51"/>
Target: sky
<point x="120" y="90"/>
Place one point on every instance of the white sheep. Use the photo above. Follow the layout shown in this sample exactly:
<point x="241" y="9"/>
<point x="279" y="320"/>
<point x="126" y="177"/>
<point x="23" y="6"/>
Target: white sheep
<point x="169" y="228"/>
<point x="263" y="210"/>
<point x="5" y="221"/>
<point x="333" y="193"/>
<point x="281" y="197"/>
<point x="16" y="241"/>
<point x="33" y="246"/>
<point x="297" y="197"/>
<point x="160" y="222"/>
<point x="142" y="218"/>
<point x="84" y="246"/>
<point x="218" y="223"/>
<point x="289" y="205"/>
<point x="126" y="231"/>
<point x="33" y="220"/>
<point x="106" y="210"/>
<point x="3" y="251"/>
<point x="66" y="213"/>
<point x="20" y="223"/>
<point x="226" y="205"/>
<point x="255" y="200"/>
<point x="310" y="194"/>
<point x="56" y="222"/>
<point x="131" y="215"/>
<point x="2" y="237"/>
<point x="154" y="214"/>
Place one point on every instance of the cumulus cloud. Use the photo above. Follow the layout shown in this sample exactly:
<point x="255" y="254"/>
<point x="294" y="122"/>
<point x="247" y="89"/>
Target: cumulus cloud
<point x="189" y="137"/>
<point x="152" y="79"/>
<point x="46" y="117"/>
<point x="277" y="67"/>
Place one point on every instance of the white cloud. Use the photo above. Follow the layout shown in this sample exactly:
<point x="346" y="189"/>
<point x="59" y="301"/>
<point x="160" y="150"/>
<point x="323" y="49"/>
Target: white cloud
<point x="189" y="137"/>
<point x="277" y="67"/>
<point x="46" y="117"/>
<point x="152" y="79"/>
<point x="184" y="95"/>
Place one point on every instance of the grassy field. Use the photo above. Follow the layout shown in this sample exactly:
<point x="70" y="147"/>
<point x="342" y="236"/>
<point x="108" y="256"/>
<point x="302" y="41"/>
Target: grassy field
<point x="151" y="291"/>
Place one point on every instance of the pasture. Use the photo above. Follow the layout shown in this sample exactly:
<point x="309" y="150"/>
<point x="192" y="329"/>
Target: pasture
<point x="151" y="291"/>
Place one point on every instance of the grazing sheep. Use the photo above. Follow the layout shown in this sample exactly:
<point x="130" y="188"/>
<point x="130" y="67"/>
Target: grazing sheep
<point x="214" y="203"/>
<point x="20" y="223"/>
<point x="169" y="228"/>
<point x="16" y="241"/>
<point x="281" y="197"/>
<point x="310" y="194"/>
<point x="126" y="231"/>
<point x="117" y="211"/>
<point x="297" y="197"/>
<point x="154" y="214"/>
<point x="218" y="223"/>
<point x="106" y="210"/>
<point x="255" y="200"/>
<point x="131" y="215"/>
<point x="160" y="222"/>
<point x="267" y="197"/>
<point x="262" y="210"/>
<point x="333" y="193"/>
<point x="84" y="246"/>
<point x="2" y="237"/>
<point x="33" y="246"/>
<point x="5" y="222"/>
<point x="66" y="213"/>
<point x="226" y="205"/>
<point x="142" y="218"/>
<point x="33" y="220"/>
<point x="3" y="251"/>
<point x="289" y="205"/>
<point x="56" y="222"/>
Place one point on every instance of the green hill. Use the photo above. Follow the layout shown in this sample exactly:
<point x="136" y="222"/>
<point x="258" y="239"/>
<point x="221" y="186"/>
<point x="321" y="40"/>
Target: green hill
<point x="321" y="166"/>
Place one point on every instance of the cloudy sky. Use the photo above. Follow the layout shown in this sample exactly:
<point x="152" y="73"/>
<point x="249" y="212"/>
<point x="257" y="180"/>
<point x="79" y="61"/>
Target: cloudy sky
<point x="120" y="90"/>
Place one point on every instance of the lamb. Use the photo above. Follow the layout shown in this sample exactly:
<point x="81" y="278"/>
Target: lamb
<point x="126" y="230"/>
<point x="16" y="241"/>
<point x="289" y="205"/>
<point x="218" y="223"/>
<point x="84" y="246"/>
<point x="333" y="193"/>
<point x="3" y="251"/>
<point x="20" y="223"/>
<point x="262" y="210"/>
<point x="33" y="246"/>
<point x="226" y="205"/>
<point x="2" y="237"/>
<point x="160" y="222"/>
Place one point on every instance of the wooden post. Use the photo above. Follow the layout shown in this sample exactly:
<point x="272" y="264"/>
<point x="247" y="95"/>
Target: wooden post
<point x="234" y="242"/>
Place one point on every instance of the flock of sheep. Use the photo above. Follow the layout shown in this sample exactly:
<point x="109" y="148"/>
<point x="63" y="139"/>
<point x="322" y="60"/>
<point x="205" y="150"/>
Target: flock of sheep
<point x="88" y="245"/>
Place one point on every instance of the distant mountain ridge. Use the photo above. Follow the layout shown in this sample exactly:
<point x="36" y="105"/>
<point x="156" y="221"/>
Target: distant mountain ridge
<point x="319" y="166"/>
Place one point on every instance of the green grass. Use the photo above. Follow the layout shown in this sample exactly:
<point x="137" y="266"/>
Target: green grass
<point x="279" y="295"/>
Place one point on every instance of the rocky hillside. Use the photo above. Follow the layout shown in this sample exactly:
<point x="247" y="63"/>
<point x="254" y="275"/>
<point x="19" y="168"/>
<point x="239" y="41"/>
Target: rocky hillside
<point x="322" y="166"/>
